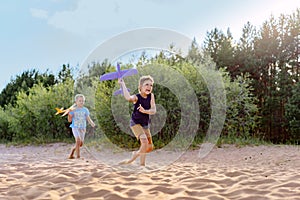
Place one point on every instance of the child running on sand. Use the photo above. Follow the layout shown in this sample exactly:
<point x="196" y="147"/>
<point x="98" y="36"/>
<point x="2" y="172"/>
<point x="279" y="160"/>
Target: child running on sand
<point x="78" y="117"/>
<point x="144" y="105"/>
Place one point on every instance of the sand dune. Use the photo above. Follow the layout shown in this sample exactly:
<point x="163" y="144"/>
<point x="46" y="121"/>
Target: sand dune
<point x="260" y="172"/>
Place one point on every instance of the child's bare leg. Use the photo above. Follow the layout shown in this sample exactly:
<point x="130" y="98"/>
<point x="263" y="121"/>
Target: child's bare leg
<point x="78" y="142"/>
<point x="143" y="159"/>
<point x="150" y="146"/>
<point x="134" y="156"/>
<point x="140" y="152"/>
<point x="143" y="149"/>
<point x="72" y="153"/>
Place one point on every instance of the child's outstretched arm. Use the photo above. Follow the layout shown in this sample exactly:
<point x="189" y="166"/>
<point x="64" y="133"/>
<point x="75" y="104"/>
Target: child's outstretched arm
<point x="127" y="96"/>
<point x="90" y="121"/>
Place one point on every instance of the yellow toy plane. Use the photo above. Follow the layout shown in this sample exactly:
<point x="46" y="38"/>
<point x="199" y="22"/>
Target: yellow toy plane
<point x="64" y="111"/>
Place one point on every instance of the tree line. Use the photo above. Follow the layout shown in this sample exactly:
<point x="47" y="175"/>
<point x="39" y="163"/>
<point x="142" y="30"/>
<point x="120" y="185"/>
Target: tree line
<point x="271" y="56"/>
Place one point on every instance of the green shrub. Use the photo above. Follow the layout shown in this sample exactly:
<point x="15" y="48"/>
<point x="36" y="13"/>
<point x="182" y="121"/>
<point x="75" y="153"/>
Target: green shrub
<point x="34" y="113"/>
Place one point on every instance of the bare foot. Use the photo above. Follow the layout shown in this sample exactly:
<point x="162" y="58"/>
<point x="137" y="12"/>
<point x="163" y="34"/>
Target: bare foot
<point x="135" y="154"/>
<point x="124" y="162"/>
<point x="71" y="157"/>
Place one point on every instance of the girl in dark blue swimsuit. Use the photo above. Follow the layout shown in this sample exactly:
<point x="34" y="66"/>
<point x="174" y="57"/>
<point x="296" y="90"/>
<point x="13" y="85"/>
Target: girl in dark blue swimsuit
<point x="144" y="105"/>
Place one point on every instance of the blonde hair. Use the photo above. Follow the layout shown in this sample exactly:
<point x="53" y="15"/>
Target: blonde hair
<point x="143" y="79"/>
<point x="78" y="96"/>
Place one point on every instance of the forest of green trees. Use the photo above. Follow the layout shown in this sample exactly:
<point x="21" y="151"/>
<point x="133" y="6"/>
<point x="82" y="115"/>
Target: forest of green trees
<point x="260" y="71"/>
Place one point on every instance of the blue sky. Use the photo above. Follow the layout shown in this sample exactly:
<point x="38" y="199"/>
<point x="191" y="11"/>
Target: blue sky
<point x="45" y="34"/>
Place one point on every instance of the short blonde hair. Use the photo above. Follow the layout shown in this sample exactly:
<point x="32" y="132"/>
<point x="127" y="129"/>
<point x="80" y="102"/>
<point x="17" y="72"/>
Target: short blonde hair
<point x="78" y="96"/>
<point x="143" y="79"/>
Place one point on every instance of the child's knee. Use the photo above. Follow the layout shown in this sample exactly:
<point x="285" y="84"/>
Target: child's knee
<point x="143" y="139"/>
<point x="79" y="142"/>
<point x="146" y="141"/>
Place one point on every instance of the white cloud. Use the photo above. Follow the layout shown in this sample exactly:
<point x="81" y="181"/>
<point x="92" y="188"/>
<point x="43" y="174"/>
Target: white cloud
<point x="39" y="13"/>
<point x="92" y="18"/>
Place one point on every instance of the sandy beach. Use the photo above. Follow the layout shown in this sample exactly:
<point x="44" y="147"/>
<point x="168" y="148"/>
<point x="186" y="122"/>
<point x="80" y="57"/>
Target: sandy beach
<point x="251" y="172"/>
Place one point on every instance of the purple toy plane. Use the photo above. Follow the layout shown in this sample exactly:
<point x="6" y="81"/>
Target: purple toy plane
<point x="118" y="74"/>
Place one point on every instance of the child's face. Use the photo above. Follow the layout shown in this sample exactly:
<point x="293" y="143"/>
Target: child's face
<point x="147" y="87"/>
<point x="79" y="101"/>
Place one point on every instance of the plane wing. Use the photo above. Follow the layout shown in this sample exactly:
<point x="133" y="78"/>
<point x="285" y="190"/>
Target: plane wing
<point x="118" y="74"/>
<point x="65" y="111"/>
<point x="59" y="110"/>
<point x="128" y="72"/>
<point x="109" y="76"/>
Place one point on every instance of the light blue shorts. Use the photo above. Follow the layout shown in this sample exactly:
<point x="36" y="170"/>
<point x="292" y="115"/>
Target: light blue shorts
<point x="79" y="133"/>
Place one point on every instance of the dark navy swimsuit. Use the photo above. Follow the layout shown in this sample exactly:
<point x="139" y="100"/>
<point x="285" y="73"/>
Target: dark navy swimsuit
<point x="141" y="118"/>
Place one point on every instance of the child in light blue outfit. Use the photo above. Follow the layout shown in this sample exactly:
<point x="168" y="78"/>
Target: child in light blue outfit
<point x="78" y="117"/>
